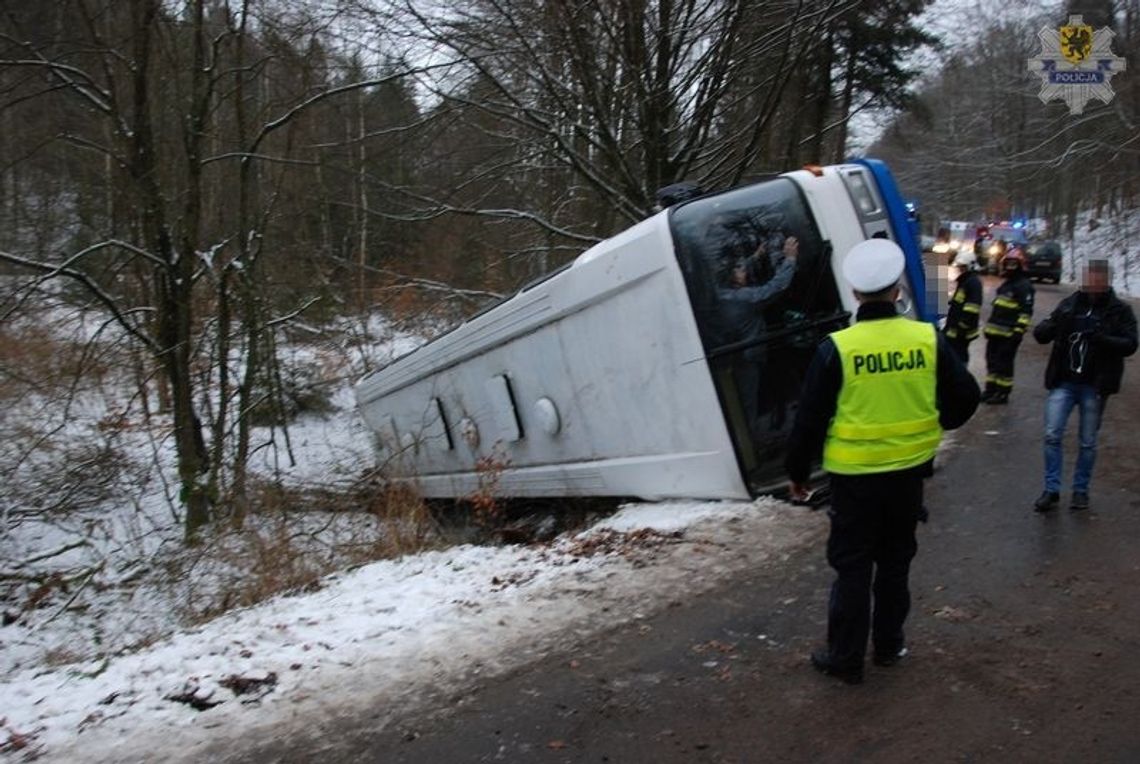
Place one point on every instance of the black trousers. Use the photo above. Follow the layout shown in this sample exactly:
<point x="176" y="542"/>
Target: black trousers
<point x="871" y="545"/>
<point x="961" y="348"/>
<point x="1000" y="352"/>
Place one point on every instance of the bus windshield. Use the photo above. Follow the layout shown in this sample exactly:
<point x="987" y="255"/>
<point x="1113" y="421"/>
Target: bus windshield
<point x="760" y="283"/>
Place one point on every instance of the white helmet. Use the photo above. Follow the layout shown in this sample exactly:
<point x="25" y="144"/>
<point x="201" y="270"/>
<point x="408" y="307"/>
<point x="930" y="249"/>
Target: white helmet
<point x="966" y="259"/>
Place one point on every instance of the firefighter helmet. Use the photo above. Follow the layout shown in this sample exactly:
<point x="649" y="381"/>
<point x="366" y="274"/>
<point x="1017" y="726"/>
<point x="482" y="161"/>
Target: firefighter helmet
<point x="1014" y="257"/>
<point x="966" y="260"/>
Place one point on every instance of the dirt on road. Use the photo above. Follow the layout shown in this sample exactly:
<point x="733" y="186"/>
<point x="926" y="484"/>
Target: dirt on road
<point x="1024" y="637"/>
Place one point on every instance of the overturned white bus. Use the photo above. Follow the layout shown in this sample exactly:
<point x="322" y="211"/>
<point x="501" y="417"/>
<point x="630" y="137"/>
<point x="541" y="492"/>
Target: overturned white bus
<point x="663" y="362"/>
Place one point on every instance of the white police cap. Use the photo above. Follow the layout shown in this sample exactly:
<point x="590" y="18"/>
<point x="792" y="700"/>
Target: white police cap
<point x="873" y="265"/>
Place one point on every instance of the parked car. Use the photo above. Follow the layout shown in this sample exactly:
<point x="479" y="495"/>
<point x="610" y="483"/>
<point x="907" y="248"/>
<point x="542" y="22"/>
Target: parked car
<point x="1045" y="261"/>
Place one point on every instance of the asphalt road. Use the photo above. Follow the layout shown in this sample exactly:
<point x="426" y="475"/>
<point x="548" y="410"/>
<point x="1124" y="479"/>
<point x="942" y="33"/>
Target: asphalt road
<point x="1025" y="639"/>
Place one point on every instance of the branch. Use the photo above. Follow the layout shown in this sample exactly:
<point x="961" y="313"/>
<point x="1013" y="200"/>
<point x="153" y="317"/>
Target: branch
<point x="288" y="116"/>
<point x="246" y="156"/>
<point x="428" y="284"/>
<point x="87" y="576"/>
<point x="51" y="271"/>
<point x="69" y="75"/>
<point x="290" y="316"/>
<point x="54" y="553"/>
<point x="77" y="80"/>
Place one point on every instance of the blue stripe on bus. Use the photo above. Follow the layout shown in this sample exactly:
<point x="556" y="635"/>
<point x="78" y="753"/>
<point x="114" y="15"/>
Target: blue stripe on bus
<point x="904" y="234"/>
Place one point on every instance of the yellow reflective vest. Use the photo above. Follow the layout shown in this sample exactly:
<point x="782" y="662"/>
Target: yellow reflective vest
<point x="886" y="417"/>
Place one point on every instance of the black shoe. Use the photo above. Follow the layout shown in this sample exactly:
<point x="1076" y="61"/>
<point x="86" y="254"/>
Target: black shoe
<point x="821" y="659"/>
<point x="1080" y="501"/>
<point x="890" y="659"/>
<point x="987" y="394"/>
<point x="997" y="399"/>
<point x="1047" y="501"/>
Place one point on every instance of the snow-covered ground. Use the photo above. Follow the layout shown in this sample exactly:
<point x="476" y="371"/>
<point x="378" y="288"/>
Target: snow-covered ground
<point x="393" y="636"/>
<point x="91" y="550"/>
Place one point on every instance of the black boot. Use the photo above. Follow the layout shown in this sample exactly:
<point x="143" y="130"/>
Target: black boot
<point x="821" y="660"/>
<point x="998" y="398"/>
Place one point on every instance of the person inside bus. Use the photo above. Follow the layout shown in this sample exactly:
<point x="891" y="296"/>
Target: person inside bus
<point x="747" y="286"/>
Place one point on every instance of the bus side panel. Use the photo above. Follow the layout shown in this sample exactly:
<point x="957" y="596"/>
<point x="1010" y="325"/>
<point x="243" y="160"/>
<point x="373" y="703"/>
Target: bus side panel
<point x="610" y="346"/>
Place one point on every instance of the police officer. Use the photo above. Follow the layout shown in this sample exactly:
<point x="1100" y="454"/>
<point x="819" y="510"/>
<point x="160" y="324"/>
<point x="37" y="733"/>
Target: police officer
<point x="965" y="306"/>
<point x="875" y="401"/>
<point x="1008" y="322"/>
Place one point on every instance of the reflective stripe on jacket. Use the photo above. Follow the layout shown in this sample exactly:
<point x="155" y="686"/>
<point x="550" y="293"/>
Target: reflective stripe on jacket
<point x="1012" y="308"/>
<point x="965" y="308"/>
<point x="886" y="415"/>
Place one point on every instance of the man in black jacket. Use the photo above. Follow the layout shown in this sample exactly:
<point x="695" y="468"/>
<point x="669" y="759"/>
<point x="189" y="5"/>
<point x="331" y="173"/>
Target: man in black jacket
<point x="1092" y="332"/>
<point x="874" y="403"/>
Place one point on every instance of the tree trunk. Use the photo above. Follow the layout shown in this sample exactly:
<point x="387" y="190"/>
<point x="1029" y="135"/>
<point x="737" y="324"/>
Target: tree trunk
<point x="362" y="199"/>
<point x="174" y="283"/>
<point x="822" y="99"/>
<point x="845" y="102"/>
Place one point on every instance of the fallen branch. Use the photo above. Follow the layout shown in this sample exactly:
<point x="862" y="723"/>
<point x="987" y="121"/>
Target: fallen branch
<point x="79" y="590"/>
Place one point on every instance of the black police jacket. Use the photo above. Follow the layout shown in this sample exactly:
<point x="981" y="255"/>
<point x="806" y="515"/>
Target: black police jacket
<point x="956" y="394"/>
<point x="1113" y="340"/>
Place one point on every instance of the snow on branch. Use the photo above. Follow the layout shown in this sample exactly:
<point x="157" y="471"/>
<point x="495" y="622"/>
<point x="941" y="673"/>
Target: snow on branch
<point x="71" y="77"/>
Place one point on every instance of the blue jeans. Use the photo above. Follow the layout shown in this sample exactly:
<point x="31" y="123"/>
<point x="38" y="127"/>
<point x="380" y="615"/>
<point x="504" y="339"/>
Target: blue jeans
<point x="1057" y="409"/>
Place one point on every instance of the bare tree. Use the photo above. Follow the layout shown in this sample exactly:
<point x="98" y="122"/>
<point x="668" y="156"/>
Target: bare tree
<point x="565" y="118"/>
<point x="192" y="126"/>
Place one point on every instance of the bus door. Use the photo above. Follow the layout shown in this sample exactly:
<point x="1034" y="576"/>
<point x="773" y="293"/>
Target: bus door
<point x="763" y="294"/>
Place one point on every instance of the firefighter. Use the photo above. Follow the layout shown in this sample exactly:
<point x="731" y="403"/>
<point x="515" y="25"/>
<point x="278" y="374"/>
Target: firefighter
<point x="965" y="306"/>
<point x="1008" y="322"/>
<point x="875" y="401"/>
